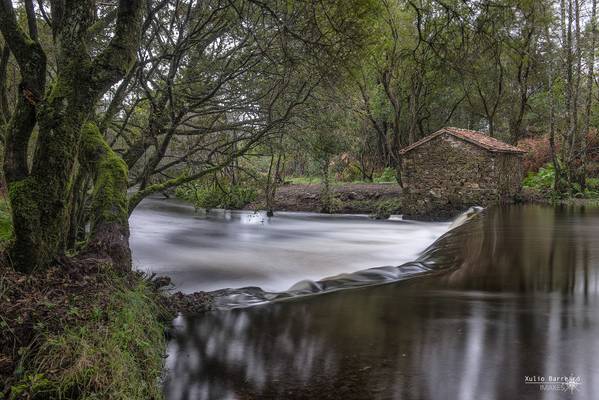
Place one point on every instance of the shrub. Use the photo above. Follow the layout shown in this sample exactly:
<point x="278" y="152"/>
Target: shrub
<point x="208" y="197"/>
<point x="543" y="179"/>
<point x="238" y="197"/>
<point x="593" y="184"/>
<point x="387" y="176"/>
<point x="538" y="153"/>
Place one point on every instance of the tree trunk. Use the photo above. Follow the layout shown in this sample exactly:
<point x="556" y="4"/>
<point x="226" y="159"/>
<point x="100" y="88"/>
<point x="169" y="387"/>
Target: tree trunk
<point x="110" y="210"/>
<point x="557" y="183"/>
<point x="326" y="197"/>
<point x="269" y="184"/>
<point x="40" y="197"/>
<point x="582" y="172"/>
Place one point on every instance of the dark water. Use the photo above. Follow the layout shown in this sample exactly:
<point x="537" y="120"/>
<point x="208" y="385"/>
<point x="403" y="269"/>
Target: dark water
<point x="518" y="298"/>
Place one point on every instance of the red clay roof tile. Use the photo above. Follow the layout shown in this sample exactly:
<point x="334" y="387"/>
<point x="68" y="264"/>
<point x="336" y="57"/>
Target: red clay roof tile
<point x="478" y="138"/>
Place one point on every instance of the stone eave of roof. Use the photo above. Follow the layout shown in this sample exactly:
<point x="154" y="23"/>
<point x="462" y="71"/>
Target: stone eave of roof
<point x="477" y="138"/>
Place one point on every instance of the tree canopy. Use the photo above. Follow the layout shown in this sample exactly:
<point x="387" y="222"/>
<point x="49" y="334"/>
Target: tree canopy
<point x="105" y="103"/>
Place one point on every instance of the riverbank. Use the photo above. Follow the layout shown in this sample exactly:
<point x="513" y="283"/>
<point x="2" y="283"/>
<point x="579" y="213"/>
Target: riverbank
<point x="546" y="197"/>
<point x="383" y="200"/>
<point x="80" y="330"/>
<point x="376" y="199"/>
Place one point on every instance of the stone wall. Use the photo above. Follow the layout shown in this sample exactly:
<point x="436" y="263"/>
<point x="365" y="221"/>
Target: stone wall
<point x="446" y="175"/>
<point x="511" y="173"/>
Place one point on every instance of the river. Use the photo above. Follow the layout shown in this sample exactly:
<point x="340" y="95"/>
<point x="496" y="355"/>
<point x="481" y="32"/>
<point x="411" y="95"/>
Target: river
<point x="241" y="248"/>
<point x="509" y="302"/>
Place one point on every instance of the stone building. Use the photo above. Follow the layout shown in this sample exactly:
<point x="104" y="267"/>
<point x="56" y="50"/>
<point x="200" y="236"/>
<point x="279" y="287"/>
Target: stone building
<point x="453" y="169"/>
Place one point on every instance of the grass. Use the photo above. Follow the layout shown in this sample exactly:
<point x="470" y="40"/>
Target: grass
<point x="115" y="352"/>
<point x="303" y="180"/>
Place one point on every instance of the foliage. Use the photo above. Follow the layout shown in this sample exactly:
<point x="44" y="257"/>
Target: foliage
<point x="330" y="206"/>
<point x="593" y="183"/>
<point x="543" y="179"/>
<point x="587" y="193"/>
<point x="386" y="176"/>
<point x="211" y="196"/>
<point x="538" y="153"/>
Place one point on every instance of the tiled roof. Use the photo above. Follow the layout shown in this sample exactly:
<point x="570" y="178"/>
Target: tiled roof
<point x="478" y="138"/>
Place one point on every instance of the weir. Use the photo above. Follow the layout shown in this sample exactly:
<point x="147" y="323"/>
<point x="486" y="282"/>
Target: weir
<point x="436" y="258"/>
<point x="236" y="249"/>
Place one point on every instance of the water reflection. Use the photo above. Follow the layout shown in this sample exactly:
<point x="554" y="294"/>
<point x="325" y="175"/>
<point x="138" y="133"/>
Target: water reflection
<point x="523" y="302"/>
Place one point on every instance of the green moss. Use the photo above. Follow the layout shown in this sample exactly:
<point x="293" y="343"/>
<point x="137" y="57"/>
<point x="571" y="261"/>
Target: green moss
<point x="116" y="353"/>
<point x="21" y="198"/>
<point x="110" y="189"/>
<point x="6" y="231"/>
<point x="110" y="196"/>
<point x="27" y="253"/>
<point x="56" y="91"/>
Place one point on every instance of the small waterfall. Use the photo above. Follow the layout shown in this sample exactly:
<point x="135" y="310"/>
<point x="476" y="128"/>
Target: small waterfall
<point x="436" y="258"/>
<point x="465" y="216"/>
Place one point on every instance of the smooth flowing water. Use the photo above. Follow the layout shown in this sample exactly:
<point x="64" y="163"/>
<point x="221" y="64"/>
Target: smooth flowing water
<point x="511" y="298"/>
<point x="235" y="249"/>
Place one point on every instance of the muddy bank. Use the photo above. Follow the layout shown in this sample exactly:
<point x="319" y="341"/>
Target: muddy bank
<point x="351" y="198"/>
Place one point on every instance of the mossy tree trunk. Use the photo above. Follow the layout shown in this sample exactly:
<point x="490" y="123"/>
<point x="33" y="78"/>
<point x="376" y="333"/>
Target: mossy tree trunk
<point x="109" y="208"/>
<point x="41" y="194"/>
